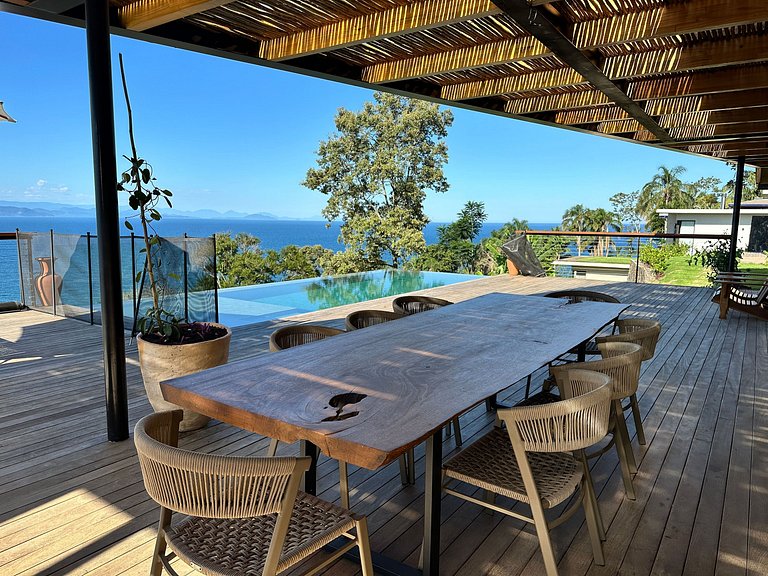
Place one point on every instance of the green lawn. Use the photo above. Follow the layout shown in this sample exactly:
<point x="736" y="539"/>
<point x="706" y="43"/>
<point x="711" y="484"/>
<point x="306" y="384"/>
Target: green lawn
<point x="680" y="273"/>
<point x="602" y="259"/>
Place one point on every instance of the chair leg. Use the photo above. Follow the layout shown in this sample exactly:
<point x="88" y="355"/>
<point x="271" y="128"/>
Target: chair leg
<point x="364" y="546"/>
<point x="343" y="484"/>
<point x="165" y="520"/>
<point x="545" y="543"/>
<point x="622" y="425"/>
<point x="621" y="449"/>
<point x="593" y="496"/>
<point x="593" y="522"/>
<point x="638" y="420"/>
<point x="528" y="386"/>
<point x="457" y="431"/>
<point x="272" y="450"/>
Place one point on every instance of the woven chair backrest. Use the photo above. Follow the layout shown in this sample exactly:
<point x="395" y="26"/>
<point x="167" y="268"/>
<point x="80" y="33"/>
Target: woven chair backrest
<point x="621" y="361"/>
<point x="416" y="304"/>
<point x="290" y="336"/>
<point x="762" y="297"/>
<point x="562" y="426"/>
<point x="208" y="485"/>
<point x="583" y="296"/>
<point x="366" y="318"/>
<point x="637" y="331"/>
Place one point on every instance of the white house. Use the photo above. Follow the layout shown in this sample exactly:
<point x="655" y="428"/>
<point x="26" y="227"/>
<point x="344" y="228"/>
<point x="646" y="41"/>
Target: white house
<point x="753" y="224"/>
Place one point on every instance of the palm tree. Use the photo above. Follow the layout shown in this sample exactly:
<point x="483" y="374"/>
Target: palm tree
<point x="665" y="190"/>
<point x="602" y="220"/>
<point x="576" y="219"/>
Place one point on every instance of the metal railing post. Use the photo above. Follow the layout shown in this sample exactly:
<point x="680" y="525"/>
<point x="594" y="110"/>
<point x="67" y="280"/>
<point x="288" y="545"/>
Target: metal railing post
<point x="637" y="262"/>
<point x="53" y="275"/>
<point x="186" y="280"/>
<point x="133" y="275"/>
<point x="90" y="275"/>
<point x="215" y="281"/>
<point x="22" y="291"/>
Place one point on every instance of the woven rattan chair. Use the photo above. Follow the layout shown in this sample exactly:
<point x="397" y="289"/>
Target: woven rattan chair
<point x="298" y="335"/>
<point x="244" y="515"/>
<point x="646" y="333"/>
<point x="416" y="304"/>
<point x="621" y="361"/>
<point x="365" y="318"/>
<point x="539" y="460"/>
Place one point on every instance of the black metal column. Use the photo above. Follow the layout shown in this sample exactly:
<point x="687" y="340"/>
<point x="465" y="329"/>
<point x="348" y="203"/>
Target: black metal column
<point x="107" y="218"/>
<point x="737" y="190"/>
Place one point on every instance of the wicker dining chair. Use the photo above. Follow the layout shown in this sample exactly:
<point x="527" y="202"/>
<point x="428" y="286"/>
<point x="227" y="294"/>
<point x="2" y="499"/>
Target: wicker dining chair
<point x="416" y="304"/>
<point x="365" y="318"/>
<point x="539" y="460"/>
<point x="644" y="332"/>
<point x="244" y="515"/>
<point x="298" y="335"/>
<point x="621" y="361"/>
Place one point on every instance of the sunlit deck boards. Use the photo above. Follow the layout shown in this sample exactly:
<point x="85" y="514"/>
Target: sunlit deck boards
<point x="70" y="502"/>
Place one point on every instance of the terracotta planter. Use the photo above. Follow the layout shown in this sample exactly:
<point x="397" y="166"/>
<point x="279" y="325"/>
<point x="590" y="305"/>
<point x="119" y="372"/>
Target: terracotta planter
<point x="46" y="282"/>
<point x="162" y="362"/>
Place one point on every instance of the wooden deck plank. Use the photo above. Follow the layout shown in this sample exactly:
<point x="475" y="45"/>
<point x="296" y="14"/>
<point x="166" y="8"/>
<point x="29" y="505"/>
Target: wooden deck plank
<point x="71" y="502"/>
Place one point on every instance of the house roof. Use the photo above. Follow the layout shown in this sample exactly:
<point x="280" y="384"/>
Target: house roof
<point x="688" y="75"/>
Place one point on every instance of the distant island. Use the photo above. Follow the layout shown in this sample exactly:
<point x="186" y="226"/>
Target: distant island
<point x="53" y="209"/>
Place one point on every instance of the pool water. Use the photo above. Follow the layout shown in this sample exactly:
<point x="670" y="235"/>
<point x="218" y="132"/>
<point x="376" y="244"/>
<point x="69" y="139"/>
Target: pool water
<point x="250" y="304"/>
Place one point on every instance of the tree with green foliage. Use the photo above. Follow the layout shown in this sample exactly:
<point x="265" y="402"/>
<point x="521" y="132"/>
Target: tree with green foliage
<point x="602" y="220"/>
<point x="455" y="250"/>
<point x="296" y="262"/>
<point x="240" y="261"/>
<point x="490" y="259"/>
<point x="376" y="171"/>
<point x="749" y="187"/>
<point x="576" y="219"/>
<point x="625" y="205"/>
<point x="665" y="190"/>
<point x="704" y="193"/>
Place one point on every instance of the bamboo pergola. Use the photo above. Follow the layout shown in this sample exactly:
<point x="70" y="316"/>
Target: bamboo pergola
<point x="689" y="75"/>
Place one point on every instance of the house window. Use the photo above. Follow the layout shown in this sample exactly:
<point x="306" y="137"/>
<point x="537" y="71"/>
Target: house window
<point x="758" y="234"/>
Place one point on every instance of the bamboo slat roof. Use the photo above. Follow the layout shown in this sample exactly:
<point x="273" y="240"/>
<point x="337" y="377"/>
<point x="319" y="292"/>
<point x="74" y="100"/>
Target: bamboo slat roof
<point x="690" y="75"/>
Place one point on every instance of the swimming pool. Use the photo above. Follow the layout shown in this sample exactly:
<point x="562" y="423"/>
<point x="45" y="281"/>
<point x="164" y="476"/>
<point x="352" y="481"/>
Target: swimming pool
<point x="250" y="304"/>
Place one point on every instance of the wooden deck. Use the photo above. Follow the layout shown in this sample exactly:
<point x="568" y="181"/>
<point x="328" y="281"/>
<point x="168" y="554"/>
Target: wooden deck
<point x="73" y="503"/>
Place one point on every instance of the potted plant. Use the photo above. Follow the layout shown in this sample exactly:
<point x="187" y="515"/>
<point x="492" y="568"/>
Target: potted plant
<point x="168" y="347"/>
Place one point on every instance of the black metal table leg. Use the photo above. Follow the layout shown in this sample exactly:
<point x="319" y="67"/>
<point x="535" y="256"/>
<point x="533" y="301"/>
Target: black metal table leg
<point x="309" y="484"/>
<point x="432" y="496"/>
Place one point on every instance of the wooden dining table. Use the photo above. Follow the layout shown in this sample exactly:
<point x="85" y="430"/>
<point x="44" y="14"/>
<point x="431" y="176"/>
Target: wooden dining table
<point x="367" y="396"/>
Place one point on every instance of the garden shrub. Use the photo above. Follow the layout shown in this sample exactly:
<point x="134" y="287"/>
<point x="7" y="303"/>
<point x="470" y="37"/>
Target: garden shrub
<point x="658" y="257"/>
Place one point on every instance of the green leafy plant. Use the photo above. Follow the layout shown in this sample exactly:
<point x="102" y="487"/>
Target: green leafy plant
<point x="658" y="257"/>
<point x="714" y="256"/>
<point x="144" y="196"/>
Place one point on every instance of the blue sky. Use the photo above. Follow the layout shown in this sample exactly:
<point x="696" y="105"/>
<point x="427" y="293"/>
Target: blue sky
<point x="232" y="136"/>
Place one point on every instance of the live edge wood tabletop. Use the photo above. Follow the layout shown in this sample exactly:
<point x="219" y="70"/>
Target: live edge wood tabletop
<point x="412" y="375"/>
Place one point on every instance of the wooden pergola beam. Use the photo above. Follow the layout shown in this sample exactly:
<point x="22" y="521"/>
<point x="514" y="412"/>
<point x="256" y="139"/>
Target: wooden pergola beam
<point x="567" y="101"/>
<point x="709" y="132"/>
<point x="400" y="20"/>
<point x="728" y="101"/>
<point x="145" y="14"/>
<point x="538" y="25"/>
<point x="478" y="56"/>
<point x="692" y="17"/>
<point x="508" y="84"/>
<point x="669" y="20"/>
<point x="742" y="50"/>
<point x="712" y="82"/>
<point x="744" y="115"/>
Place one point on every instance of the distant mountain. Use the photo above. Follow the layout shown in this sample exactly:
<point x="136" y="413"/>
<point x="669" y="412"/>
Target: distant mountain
<point x="53" y="209"/>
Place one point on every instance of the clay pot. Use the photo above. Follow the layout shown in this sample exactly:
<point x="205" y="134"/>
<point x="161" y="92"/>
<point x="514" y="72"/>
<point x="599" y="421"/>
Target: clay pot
<point x="46" y="282"/>
<point x="163" y="361"/>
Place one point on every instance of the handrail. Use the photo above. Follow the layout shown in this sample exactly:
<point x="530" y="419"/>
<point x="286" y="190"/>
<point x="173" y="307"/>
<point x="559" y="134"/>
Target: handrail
<point x="625" y="234"/>
<point x="7" y="235"/>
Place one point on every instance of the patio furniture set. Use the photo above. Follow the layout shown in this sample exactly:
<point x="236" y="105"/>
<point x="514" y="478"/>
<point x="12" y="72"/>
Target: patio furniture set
<point x="367" y="397"/>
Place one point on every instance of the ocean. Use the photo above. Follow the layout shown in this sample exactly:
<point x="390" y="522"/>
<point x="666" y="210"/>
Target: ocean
<point x="274" y="234"/>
